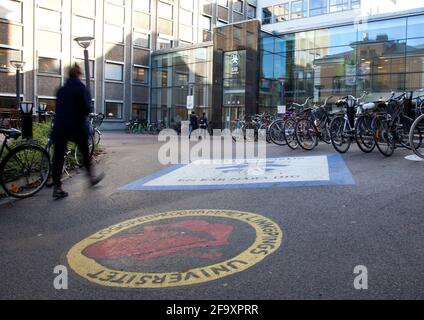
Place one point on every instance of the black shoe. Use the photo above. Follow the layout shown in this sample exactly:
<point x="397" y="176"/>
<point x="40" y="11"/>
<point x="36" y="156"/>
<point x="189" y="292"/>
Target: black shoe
<point x="59" y="193"/>
<point x="96" y="180"/>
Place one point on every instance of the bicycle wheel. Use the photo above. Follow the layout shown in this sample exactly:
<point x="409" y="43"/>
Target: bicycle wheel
<point x="364" y="134"/>
<point x="383" y="136"/>
<point x="415" y="136"/>
<point x="77" y="154"/>
<point x="290" y="133"/>
<point x="24" y="170"/>
<point x="306" y="135"/>
<point x="276" y="133"/>
<point x="339" y="137"/>
<point x="97" y="136"/>
<point x="403" y="130"/>
<point x="325" y="133"/>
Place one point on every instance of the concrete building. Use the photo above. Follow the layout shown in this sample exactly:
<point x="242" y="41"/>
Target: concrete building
<point x="126" y="32"/>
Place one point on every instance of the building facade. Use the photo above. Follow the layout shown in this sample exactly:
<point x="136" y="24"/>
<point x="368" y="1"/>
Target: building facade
<point x="340" y="47"/>
<point x="126" y="32"/>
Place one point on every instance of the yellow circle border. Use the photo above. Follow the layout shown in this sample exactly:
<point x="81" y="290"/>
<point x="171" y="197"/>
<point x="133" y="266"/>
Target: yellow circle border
<point x="268" y="240"/>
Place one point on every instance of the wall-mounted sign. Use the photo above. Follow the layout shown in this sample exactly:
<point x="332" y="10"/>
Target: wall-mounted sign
<point x="235" y="61"/>
<point x="190" y="102"/>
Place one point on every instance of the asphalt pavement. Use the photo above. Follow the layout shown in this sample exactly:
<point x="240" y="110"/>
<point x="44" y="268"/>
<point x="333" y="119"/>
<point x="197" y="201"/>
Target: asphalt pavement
<point x="327" y="230"/>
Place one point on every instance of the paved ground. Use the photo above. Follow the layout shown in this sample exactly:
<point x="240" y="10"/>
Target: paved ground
<point x="327" y="230"/>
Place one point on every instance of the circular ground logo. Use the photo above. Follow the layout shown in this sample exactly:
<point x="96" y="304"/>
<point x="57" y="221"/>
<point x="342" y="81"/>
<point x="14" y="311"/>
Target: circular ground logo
<point x="175" y="248"/>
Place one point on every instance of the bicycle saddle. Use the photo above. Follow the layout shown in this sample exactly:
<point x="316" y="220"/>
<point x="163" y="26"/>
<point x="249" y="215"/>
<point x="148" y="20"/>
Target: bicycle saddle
<point x="368" y="106"/>
<point x="11" y="133"/>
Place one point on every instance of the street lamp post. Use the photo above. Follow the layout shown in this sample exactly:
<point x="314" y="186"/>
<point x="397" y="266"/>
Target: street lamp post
<point x="85" y="42"/>
<point x="18" y="65"/>
<point x="26" y="111"/>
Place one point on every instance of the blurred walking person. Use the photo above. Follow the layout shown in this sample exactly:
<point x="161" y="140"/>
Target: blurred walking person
<point x="73" y="105"/>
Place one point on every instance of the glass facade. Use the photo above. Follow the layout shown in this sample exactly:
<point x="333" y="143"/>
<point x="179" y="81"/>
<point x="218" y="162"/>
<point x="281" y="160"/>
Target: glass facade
<point x="176" y="75"/>
<point x="378" y="56"/>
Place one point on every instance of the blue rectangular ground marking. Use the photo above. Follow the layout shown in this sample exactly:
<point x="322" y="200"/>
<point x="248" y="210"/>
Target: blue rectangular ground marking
<point x="298" y="171"/>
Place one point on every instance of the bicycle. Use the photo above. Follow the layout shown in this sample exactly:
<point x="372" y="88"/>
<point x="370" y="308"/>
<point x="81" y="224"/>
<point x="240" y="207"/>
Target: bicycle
<point x="313" y="126"/>
<point x="392" y="129"/>
<point x="25" y="169"/>
<point x="96" y="120"/>
<point x="343" y="127"/>
<point x="417" y="127"/>
<point x="289" y="129"/>
<point x="72" y="151"/>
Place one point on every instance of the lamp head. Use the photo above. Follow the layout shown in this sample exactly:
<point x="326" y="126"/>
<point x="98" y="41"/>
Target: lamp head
<point x="19" y="65"/>
<point x="84" y="42"/>
<point x="42" y="106"/>
<point x="26" y="107"/>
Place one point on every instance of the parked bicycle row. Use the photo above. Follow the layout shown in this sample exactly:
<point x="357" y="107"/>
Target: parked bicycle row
<point x="137" y="126"/>
<point x="397" y="121"/>
<point x="26" y="167"/>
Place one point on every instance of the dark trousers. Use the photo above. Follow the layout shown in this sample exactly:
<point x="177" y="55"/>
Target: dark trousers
<point x="60" y="146"/>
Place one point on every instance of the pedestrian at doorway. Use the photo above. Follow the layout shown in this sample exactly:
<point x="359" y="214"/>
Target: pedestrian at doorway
<point x="194" y="124"/>
<point x="71" y="124"/>
<point x="203" y="124"/>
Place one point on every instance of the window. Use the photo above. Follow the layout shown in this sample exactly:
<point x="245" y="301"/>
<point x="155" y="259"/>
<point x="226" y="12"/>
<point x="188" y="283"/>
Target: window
<point x="281" y="12"/>
<point x="165" y="10"/>
<point x="297" y="9"/>
<point x="415" y="27"/>
<point x="251" y="11"/>
<point x="317" y="7"/>
<point x="356" y="4"/>
<point x="143" y="5"/>
<point x="113" y="110"/>
<point x="238" y="6"/>
<point x="206" y="23"/>
<point x="223" y="3"/>
<point x="83" y="26"/>
<point x="49" y="19"/>
<point x="139" y="111"/>
<point x="187" y="4"/>
<point x="114" y="71"/>
<point x="114" y="33"/>
<point x="7" y="102"/>
<point x="49" y="65"/>
<point x="114" y="14"/>
<point x="6" y="55"/>
<point x="140" y="74"/>
<point x="186" y="17"/>
<point x="339" y="5"/>
<point x="164" y="43"/>
<point x="81" y="63"/>
<point x="11" y="10"/>
<point x="186" y="33"/>
<point x="266" y="15"/>
<point x="141" y="39"/>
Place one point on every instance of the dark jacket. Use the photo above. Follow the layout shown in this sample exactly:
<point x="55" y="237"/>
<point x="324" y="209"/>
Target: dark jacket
<point x="203" y="122"/>
<point x="73" y="106"/>
<point x="193" y="122"/>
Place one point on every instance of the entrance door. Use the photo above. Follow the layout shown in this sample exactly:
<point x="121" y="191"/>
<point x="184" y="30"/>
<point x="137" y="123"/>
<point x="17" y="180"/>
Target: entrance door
<point x="231" y="115"/>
